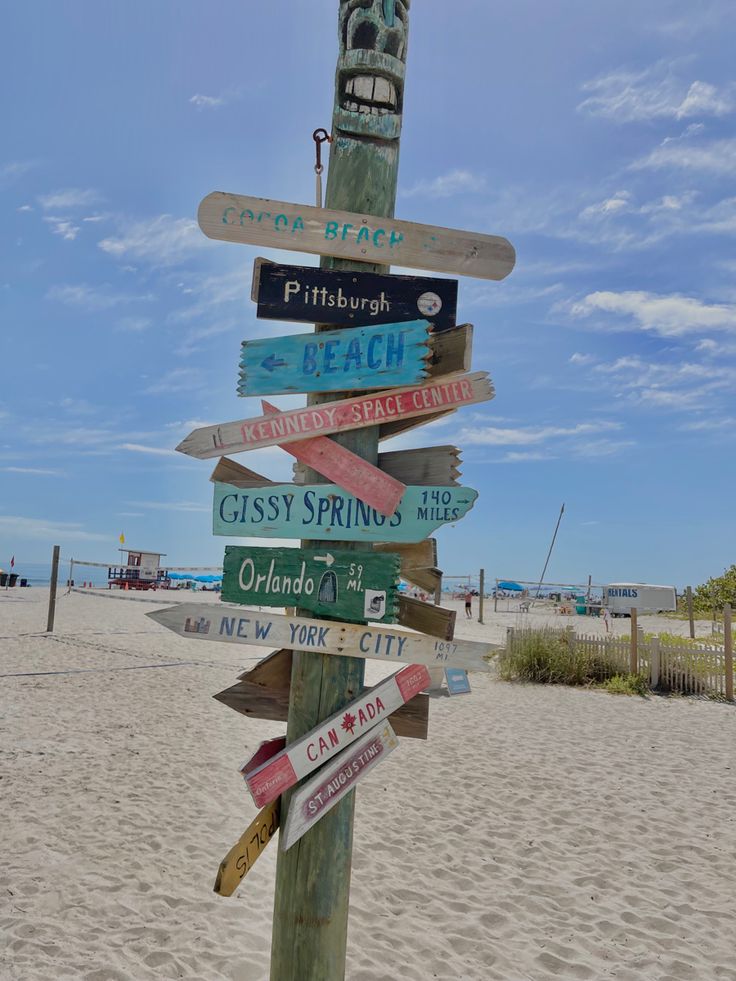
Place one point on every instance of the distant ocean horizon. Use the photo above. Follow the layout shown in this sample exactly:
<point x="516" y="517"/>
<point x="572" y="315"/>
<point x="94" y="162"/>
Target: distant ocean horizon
<point x="39" y="573"/>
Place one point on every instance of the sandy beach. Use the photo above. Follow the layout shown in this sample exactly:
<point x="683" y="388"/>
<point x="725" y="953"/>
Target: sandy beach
<point x="540" y="833"/>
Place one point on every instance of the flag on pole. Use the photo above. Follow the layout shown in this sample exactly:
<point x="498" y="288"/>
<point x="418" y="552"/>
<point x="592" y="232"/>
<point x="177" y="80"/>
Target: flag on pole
<point x="12" y="562"/>
<point x="122" y="538"/>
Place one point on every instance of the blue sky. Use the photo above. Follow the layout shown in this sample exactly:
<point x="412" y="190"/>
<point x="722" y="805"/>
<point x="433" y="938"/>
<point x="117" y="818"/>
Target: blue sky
<point x="599" y="138"/>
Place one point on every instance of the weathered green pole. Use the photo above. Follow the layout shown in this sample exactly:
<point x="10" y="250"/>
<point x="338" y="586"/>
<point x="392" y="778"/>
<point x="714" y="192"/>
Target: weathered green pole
<point x="313" y="878"/>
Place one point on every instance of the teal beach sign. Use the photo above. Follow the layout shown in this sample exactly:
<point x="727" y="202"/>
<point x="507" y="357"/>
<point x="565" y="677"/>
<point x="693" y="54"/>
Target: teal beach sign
<point x="336" y="360"/>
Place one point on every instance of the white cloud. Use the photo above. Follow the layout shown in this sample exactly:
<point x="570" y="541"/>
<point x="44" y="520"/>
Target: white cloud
<point x="176" y="380"/>
<point x="163" y="240"/>
<point x="93" y="297"/>
<point x="230" y="288"/>
<point x="36" y="471"/>
<point x="531" y="456"/>
<point x="620" y="201"/>
<point x="716" y="157"/>
<point x="21" y="528"/>
<point x="63" y="227"/>
<point x="134" y="324"/>
<point x="190" y="341"/>
<point x="186" y="506"/>
<point x="524" y="436"/>
<point x="73" y="197"/>
<point x="710" y="425"/>
<point x="151" y="450"/>
<point x="668" y="316"/>
<point x="446" y="185"/>
<point x="578" y="358"/>
<point x="14" y="169"/>
<point x="207" y="101"/>
<point x="655" y="93"/>
<point x="25" y="207"/>
<point x="676" y="385"/>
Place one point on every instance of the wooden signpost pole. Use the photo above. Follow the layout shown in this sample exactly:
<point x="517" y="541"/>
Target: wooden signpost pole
<point x="52" y="588"/>
<point x="313" y="878"/>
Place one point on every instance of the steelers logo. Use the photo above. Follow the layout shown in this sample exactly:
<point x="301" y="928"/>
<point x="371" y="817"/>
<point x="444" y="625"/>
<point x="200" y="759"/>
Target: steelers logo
<point x="429" y="304"/>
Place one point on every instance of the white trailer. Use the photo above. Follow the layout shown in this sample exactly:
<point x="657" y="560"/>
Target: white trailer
<point x="620" y="597"/>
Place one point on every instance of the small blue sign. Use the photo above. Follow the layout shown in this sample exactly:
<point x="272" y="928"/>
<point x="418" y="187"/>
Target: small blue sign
<point x="458" y="682"/>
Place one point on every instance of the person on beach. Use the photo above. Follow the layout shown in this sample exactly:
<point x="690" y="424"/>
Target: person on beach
<point x="468" y="605"/>
<point x="606" y="618"/>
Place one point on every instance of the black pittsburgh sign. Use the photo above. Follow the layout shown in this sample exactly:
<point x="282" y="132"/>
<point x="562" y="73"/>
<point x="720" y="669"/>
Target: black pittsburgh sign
<point x="331" y="296"/>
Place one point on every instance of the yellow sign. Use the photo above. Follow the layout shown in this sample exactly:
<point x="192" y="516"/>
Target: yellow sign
<point x="239" y="860"/>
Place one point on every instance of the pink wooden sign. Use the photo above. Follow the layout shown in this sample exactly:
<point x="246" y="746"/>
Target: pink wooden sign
<point x="349" y="471"/>
<point x="320" y="794"/>
<point x="447" y="392"/>
<point x="333" y="735"/>
<point x="267" y="749"/>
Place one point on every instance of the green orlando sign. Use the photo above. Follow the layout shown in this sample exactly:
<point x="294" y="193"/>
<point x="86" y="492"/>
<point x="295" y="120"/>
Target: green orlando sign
<point x="341" y="584"/>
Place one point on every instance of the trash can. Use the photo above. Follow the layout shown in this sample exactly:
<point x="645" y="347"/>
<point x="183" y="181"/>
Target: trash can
<point x="3" y="579"/>
<point x="12" y="579"/>
<point x="23" y="583"/>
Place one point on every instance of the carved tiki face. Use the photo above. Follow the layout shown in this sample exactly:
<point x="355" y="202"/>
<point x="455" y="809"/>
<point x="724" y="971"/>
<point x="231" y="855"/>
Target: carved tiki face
<point x="371" y="68"/>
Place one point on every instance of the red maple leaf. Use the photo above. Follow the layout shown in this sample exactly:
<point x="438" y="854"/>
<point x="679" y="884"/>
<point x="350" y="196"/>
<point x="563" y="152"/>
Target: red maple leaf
<point x="348" y="723"/>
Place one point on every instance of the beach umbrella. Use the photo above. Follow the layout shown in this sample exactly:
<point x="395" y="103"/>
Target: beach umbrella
<point x="513" y="586"/>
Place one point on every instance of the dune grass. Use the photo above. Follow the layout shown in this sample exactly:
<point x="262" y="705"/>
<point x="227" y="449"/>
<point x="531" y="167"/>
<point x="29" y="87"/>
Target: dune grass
<point x="547" y="656"/>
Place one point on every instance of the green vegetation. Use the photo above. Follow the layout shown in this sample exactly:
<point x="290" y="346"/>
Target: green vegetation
<point x="715" y="593"/>
<point x="627" y="684"/>
<point x="548" y="656"/>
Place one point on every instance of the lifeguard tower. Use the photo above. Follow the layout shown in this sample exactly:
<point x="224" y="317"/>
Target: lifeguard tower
<point x="142" y="570"/>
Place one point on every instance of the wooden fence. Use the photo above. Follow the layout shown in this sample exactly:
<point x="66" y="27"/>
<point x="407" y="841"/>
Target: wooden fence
<point x="670" y="667"/>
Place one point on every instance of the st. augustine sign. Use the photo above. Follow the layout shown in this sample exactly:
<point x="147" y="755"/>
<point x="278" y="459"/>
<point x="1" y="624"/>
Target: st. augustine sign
<point x="310" y="802"/>
<point x="332" y="582"/>
<point x="346" y="726"/>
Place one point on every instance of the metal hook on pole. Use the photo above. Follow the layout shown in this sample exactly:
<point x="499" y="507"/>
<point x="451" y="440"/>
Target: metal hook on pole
<point x="319" y="136"/>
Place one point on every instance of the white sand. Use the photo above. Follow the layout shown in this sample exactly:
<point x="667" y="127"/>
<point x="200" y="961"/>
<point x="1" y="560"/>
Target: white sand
<point x="540" y="833"/>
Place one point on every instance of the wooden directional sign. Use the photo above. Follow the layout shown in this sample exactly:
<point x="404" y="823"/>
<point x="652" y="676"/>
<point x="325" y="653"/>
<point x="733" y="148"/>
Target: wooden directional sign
<point x="332" y="582"/>
<point x="319" y="231"/>
<point x="240" y="859"/>
<point x="311" y="295"/>
<point x="320" y="794"/>
<point x="426" y="618"/>
<point x="330" y="737"/>
<point x="428" y="465"/>
<point x="324" y="511"/>
<point x="207" y="621"/>
<point x="345" y="468"/>
<point x="458" y="682"/>
<point x="335" y="417"/>
<point x="417" y="555"/>
<point x="336" y="360"/>
<point x="263" y="693"/>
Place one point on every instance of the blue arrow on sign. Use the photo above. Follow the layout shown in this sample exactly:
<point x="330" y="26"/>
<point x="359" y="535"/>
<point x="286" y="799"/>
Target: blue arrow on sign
<point x="272" y="362"/>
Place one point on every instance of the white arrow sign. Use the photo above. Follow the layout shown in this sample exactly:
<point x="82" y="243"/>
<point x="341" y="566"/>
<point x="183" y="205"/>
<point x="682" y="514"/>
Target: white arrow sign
<point x="236" y="625"/>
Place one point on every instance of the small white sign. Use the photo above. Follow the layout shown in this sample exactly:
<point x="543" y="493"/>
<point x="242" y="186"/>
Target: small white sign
<point x="375" y="604"/>
<point x="429" y="304"/>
